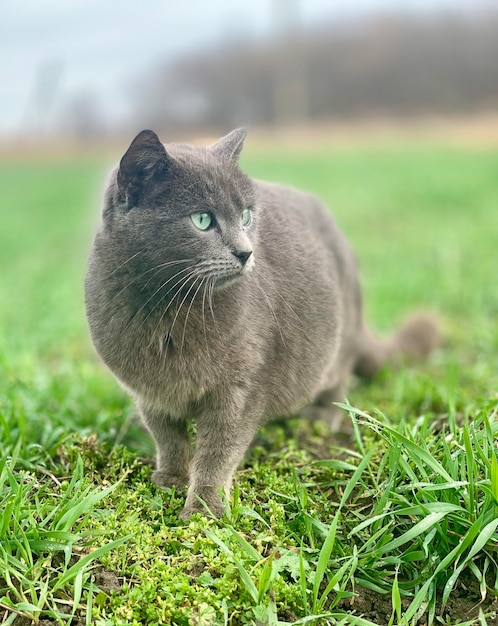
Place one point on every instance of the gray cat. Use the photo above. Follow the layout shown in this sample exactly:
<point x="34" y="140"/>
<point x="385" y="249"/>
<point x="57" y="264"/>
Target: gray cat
<point x="216" y="298"/>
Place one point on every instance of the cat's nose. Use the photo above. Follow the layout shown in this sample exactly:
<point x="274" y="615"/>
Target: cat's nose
<point x="242" y="255"/>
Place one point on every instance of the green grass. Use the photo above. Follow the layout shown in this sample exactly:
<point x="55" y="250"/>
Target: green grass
<point x="408" y="513"/>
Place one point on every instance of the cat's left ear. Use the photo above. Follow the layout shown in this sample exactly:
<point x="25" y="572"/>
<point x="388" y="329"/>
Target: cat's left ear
<point x="229" y="147"/>
<point x="144" y="161"/>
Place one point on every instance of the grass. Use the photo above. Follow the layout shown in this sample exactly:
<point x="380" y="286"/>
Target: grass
<point x="398" y="523"/>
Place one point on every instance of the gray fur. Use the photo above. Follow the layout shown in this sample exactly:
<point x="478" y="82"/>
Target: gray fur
<point x="193" y="332"/>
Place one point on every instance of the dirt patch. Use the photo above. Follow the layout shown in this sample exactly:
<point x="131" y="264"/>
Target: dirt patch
<point x="25" y="621"/>
<point x="107" y="581"/>
<point x="463" y="604"/>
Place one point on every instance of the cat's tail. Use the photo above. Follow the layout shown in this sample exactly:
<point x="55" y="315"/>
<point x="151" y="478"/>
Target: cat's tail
<point x="417" y="336"/>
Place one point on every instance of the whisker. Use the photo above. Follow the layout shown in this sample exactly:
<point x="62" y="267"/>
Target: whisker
<point x="152" y="269"/>
<point x="268" y="302"/>
<point x="155" y="292"/>
<point x="210" y="299"/>
<point x="163" y="314"/>
<point x="159" y="267"/>
<point x="206" y="285"/>
<point x="180" y="307"/>
<point x="288" y="305"/>
<point x="123" y="264"/>
<point x="188" y="310"/>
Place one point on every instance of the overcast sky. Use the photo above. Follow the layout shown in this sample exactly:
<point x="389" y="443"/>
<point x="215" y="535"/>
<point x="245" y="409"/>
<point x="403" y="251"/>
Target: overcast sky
<point x="102" y="47"/>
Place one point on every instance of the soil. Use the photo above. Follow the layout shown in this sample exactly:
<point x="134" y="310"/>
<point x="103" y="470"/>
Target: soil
<point x="463" y="605"/>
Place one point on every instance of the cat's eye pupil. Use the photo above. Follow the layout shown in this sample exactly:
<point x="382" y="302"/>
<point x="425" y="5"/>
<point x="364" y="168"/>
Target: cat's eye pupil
<point x="202" y="220"/>
<point x="246" y="217"/>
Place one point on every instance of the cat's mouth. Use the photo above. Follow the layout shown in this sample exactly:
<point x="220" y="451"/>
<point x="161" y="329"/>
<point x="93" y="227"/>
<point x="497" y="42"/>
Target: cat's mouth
<point x="222" y="273"/>
<point x="230" y="274"/>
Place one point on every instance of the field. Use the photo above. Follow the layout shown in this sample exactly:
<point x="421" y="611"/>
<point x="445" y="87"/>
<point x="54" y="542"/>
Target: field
<point x="393" y="521"/>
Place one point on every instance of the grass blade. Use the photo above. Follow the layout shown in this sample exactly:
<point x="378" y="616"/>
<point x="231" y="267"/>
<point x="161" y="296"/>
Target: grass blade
<point x="421" y="527"/>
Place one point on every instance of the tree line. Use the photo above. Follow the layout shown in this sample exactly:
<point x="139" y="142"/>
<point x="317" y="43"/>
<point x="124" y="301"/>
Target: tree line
<point x="394" y="65"/>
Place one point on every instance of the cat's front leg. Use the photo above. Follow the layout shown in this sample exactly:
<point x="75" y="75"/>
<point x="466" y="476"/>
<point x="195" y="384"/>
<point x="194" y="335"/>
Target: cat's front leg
<point x="223" y="437"/>
<point x="173" y="448"/>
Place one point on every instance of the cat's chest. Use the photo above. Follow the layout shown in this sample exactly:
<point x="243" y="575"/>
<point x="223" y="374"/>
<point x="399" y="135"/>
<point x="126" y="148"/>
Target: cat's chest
<point x="184" y="357"/>
<point x="190" y="338"/>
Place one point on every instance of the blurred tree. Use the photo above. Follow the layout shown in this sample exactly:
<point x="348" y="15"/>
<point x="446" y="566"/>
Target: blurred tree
<point x="37" y="113"/>
<point x="82" y="117"/>
<point x="387" y="65"/>
<point x="290" y="93"/>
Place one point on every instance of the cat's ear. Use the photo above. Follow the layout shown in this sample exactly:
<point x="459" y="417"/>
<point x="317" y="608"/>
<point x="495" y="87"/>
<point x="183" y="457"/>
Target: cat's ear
<point x="230" y="146"/>
<point x="144" y="160"/>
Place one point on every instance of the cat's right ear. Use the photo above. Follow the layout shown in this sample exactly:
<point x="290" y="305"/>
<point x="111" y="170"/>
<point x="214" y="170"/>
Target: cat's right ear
<point x="230" y="146"/>
<point x="144" y="161"/>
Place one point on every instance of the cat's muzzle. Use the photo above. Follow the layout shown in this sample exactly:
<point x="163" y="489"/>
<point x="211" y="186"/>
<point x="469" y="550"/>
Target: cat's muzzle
<point x="248" y="264"/>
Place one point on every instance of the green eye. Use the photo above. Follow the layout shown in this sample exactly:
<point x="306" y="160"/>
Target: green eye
<point x="202" y="220"/>
<point x="246" y="217"/>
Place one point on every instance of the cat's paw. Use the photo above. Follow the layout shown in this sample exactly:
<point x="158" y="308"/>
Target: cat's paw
<point x="331" y="416"/>
<point x="208" y="502"/>
<point x="160" y="478"/>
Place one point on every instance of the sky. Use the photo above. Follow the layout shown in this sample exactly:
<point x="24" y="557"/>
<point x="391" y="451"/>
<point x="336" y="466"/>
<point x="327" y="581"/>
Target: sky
<point x="56" y="51"/>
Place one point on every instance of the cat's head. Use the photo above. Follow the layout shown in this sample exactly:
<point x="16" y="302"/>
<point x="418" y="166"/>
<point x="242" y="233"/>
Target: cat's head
<point x="181" y="215"/>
